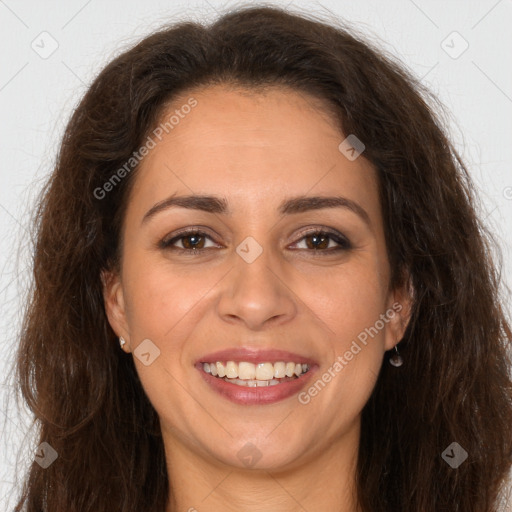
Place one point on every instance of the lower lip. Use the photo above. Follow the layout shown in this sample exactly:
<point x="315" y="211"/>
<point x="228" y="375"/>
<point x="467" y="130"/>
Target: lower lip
<point x="255" y="395"/>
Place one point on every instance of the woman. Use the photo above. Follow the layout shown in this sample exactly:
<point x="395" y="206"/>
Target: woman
<point x="260" y="284"/>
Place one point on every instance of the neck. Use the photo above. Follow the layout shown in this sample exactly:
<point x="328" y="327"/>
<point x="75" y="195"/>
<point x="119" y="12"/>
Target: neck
<point x="321" y="481"/>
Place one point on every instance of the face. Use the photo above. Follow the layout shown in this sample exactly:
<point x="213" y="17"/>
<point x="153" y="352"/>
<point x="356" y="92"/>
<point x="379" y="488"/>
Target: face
<point x="266" y="275"/>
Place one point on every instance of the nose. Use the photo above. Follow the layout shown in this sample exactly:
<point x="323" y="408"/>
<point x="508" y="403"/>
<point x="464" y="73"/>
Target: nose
<point x="257" y="294"/>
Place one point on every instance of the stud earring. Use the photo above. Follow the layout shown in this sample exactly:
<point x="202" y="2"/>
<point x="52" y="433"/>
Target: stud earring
<point x="122" y="341"/>
<point x="396" y="359"/>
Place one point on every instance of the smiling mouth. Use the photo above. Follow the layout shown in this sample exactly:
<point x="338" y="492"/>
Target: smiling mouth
<point x="248" y="374"/>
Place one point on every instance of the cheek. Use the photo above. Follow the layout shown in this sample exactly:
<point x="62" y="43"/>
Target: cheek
<point x="164" y="301"/>
<point x="166" y="306"/>
<point x="348" y="299"/>
<point x="349" y="303"/>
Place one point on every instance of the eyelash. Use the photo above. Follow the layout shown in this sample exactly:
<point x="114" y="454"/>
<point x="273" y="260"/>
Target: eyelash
<point x="343" y="243"/>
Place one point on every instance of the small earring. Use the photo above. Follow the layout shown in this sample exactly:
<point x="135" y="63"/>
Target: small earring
<point x="396" y="359"/>
<point x="122" y="341"/>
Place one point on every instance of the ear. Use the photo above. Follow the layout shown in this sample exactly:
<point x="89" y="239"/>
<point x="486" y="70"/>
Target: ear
<point x="398" y="313"/>
<point x="113" y="297"/>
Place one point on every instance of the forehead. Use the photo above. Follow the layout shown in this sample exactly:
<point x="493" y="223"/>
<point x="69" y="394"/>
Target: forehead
<point x="254" y="146"/>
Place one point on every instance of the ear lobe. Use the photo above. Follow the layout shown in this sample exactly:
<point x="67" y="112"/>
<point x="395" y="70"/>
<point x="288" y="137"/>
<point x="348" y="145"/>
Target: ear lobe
<point x="113" y="298"/>
<point x="399" y="314"/>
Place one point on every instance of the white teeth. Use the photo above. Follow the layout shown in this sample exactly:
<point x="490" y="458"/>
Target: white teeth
<point x="246" y="371"/>
<point x="264" y="371"/>
<point x="280" y="370"/>
<point x="231" y="370"/>
<point x="221" y="370"/>
<point x="260" y="374"/>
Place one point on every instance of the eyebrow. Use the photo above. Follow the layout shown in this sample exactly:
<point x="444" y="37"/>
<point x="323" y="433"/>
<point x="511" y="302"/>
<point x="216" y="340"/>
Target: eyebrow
<point x="294" y="205"/>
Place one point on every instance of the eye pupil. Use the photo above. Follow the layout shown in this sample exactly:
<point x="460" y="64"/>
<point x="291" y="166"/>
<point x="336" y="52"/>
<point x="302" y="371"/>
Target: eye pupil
<point x="194" y="238"/>
<point x="319" y="241"/>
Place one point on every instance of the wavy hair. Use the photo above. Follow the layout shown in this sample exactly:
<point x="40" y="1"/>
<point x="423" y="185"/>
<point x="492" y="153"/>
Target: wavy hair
<point x="85" y="394"/>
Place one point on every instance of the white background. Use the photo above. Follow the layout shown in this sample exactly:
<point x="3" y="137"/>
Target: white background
<point x="37" y="95"/>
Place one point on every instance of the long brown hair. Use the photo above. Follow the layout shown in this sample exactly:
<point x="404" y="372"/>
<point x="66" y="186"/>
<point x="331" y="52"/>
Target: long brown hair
<point x="85" y="394"/>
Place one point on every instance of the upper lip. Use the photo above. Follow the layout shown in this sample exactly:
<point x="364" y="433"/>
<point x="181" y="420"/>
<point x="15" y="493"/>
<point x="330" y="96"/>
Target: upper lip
<point x="252" y="355"/>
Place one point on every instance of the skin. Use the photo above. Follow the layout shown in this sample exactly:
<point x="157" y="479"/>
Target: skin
<point x="255" y="149"/>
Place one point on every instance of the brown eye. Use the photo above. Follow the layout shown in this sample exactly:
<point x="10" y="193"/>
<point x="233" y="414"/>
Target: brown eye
<point x="317" y="241"/>
<point x="191" y="241"/>
<point x="195" y="241"/>
<point x="324" y="241"/>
